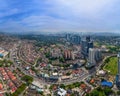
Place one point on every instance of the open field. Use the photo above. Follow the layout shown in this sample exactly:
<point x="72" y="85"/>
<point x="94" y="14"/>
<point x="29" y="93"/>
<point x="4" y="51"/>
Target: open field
<point x="111" y="65"/>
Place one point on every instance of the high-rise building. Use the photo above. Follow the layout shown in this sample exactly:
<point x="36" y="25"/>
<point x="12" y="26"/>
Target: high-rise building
<point x="98" y="55"/>
<point x="85" y="45"/>
<point x="118" y="74"/>
<point x="118" y="63"/>
<point x="68" y="54"/>
<point x="68" y="36"/>
<point x="72" y="55"/>
<point x="75" y="39"/>
<point x="93" y="57"/>
<point x="65" y="54"/>
<point x="88" y="38"/>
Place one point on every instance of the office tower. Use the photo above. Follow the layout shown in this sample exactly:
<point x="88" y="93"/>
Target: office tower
<point x="94" y="56"/>
<point x="88" y="38"/>
<point x="84" y="48"/>
<point x="91" y="57"/>
<point x="98" y="55"/>
<point x="68" y="36"/>
<point x="118" y="75"/>
<point x="118" y="63"/>
<point x="75" y="39"/>
<point x="85" y="45"/>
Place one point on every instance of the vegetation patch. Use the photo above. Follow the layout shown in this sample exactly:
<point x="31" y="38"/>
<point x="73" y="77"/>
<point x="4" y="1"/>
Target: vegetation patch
<point x="19" y="90"/>
<point x="27" y="79"/>
<point x="111" y="65"/>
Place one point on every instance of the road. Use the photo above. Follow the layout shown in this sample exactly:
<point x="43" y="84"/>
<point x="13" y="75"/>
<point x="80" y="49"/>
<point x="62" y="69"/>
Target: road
<point x="13" y="51"/>
<point x="79" y="79"/>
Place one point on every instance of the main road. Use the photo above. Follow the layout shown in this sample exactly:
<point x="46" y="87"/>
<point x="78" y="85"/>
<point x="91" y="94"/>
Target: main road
<point x="42" y="82"/>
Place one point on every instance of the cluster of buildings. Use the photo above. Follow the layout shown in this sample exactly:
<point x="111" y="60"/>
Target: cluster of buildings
<point x="37" y="86"/>
<point x="60" y="76"/>
<point x="81" y="90"/>
<point x="55" y="53"/>
<point x="85" y="45"/>
<point x="74" y="39"/>
<point x="3" y="53"/>
<point x="93" y="55"/>
<point x="10" y="80"/>
<point x="69" y="55"/>
<point x="28" y="52"/>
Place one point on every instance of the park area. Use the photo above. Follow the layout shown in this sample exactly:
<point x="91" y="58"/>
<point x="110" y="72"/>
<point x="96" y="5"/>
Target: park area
<point x="111" y="65"/>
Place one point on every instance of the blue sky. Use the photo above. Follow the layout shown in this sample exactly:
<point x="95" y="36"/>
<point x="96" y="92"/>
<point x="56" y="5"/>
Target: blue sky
<point x="60" y="15"/>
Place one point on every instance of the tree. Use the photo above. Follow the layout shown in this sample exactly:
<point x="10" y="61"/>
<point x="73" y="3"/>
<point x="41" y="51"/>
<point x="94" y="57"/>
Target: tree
<point x="62" y="86"/>
<point x="47" y="54"/>
<point x="27" y="79"/>
<point x="107" y="91"/>
<point x="68" y="73"/>
<point x="118" y="92"/>
<point x="94" y="93"/>
<point x="61" y="59"/>
<point x="19" y="90"/>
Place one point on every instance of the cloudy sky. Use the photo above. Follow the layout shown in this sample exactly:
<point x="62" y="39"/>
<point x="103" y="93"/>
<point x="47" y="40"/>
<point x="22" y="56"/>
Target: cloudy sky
<point x="60" y="15"/>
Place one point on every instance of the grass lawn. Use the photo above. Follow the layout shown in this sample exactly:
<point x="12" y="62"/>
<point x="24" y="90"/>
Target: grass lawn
<point x="111" y="65"/>
<point x="97" y="44"/>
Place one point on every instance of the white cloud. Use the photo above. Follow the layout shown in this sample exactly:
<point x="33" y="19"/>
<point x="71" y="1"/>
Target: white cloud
<point x="66" y="15"/>
<point x="86" y="8"/>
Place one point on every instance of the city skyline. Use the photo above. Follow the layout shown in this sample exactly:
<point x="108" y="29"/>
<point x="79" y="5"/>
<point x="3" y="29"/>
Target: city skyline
<point x="59" y="15"/>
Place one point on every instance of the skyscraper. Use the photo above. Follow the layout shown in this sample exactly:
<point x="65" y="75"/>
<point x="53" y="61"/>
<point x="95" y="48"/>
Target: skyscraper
<point x="98" y="55"/>
<point x="88" y="38"/>
<point x="118" y="75"/>
<point x="85" y="45"/>
<point x="93" y="57"/>
<point x="75" y="39"/>
<point x="68" y="36"/>
<point x="118" y="63"/>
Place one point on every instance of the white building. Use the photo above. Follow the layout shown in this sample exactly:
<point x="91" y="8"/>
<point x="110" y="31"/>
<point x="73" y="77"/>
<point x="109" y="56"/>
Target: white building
<point x="3" y="53"/>
<point x="61" y="92"/>
<point x="72" y="55"/>
<point x="91" y="56"/>
<point x="94" y="56"/>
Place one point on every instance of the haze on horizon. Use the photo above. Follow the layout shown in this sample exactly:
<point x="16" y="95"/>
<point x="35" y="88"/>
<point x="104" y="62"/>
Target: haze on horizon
<point x="60" y="15"/>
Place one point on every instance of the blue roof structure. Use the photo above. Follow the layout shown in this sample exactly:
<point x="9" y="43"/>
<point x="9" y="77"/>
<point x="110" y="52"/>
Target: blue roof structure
<point x="1" y="55"/>
<point x="105" y="83"/>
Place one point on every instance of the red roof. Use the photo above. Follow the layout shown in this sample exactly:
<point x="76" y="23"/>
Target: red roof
<point x="43" y="64"/>
<point x="1" y="94"/>
<point x="14" y="89"/>
<point x="83" y="86"/>
<point x="1" y="86"/>
<point x="13" y="77"/>
<point x="75" y="71"/>
<point x="11" y="84"/>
